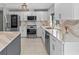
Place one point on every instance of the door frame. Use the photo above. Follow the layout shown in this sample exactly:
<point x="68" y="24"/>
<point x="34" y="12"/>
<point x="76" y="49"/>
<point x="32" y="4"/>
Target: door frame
<point x="2" y="18"/>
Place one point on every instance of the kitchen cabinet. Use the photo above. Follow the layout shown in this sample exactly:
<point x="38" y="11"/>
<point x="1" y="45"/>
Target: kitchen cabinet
<point x="56" y="46"/>
<point x="76" y="10"/>
<point x="39" y="31"/>
<point x="71" y="48"/>
<point x="52" y="44"/>
<point x="64" y="11"/>
<point x="23" y="31"/>
<point x="14" y="48"/>
<point x="43" y="35"/>
<point x="25" y="14"/>
<point x="42" y="15"/>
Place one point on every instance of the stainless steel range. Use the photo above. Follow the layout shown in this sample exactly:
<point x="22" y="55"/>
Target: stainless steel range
<point x="31" y="31"/>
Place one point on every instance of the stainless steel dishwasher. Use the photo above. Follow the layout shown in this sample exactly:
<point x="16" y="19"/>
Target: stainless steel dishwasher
<point x="47" y="42"/>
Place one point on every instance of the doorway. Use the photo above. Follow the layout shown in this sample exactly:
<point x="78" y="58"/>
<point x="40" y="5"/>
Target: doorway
<point x="1" y="20"/>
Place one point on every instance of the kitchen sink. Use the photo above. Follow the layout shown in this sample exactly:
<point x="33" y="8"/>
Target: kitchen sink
<point x="48" y="27"/>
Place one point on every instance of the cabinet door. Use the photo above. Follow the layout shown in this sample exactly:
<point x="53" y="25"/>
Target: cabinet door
<point x="43" y="36"/>
<point x="52" y="45"/>
<point x="15" y="47"/>
<point x="39" y="31"/>
<point x="23" y="31"/>
<point x="58" y="47"/>
<point x="64" y="11"/>
<point x="71" y="48"/>
<point x="76" y="10"/>
<point x="42" y="15"/>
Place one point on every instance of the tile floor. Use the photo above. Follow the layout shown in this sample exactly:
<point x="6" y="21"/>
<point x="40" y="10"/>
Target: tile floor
<point x="32" y="46"/>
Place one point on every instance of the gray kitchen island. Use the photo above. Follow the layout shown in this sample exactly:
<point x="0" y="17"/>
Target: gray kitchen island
<point x="10" y="43"/>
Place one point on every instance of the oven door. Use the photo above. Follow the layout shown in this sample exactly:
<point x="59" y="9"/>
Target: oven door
<point x="31" y="31"/>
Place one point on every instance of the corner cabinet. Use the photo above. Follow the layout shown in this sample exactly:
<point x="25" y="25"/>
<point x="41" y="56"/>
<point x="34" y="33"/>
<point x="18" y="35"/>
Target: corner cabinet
<point x="14" y="48"/>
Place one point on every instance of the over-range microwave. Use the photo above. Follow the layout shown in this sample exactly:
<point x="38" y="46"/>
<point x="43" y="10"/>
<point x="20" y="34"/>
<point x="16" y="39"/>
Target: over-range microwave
<point x="31" y="18"/>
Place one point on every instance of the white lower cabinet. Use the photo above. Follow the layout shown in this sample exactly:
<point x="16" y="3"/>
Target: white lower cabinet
<point x="60" y="47"/>
<point x="71" y="48"/>
<point x="43" y="35"/>
<point x="56" y="46"/>
<point x="23" y="31"/>
<point x="39" y="31"/>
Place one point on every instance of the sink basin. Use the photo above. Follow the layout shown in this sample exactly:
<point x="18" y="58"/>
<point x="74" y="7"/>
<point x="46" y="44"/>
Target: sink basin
<point x="48" y="27"/>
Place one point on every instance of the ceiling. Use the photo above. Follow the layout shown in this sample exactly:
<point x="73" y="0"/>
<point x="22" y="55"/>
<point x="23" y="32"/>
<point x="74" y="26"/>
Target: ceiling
<point x="29" y="5"/>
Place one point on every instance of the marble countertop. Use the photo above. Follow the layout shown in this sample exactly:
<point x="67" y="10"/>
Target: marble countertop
<point x="49" y="29"/>
<point x="67" y="37"/>
<point x="6" y="38"/>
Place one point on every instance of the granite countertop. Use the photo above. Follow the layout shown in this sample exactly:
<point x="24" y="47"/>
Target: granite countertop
<point x="6" y="38"/>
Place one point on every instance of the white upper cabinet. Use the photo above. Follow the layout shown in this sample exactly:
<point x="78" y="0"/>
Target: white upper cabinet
<point x="64" y="11"/>
<point x="42" y="15"/>
<point x="27" y="13"/>
<point x="76" y="10"/>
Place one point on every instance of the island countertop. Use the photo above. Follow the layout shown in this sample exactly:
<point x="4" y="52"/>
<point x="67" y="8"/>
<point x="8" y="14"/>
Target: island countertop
<point x="6" y="38"/>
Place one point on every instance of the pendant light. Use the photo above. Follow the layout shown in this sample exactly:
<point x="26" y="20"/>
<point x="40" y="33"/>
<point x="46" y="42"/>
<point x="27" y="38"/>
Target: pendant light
<point x="24" y="7"/>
